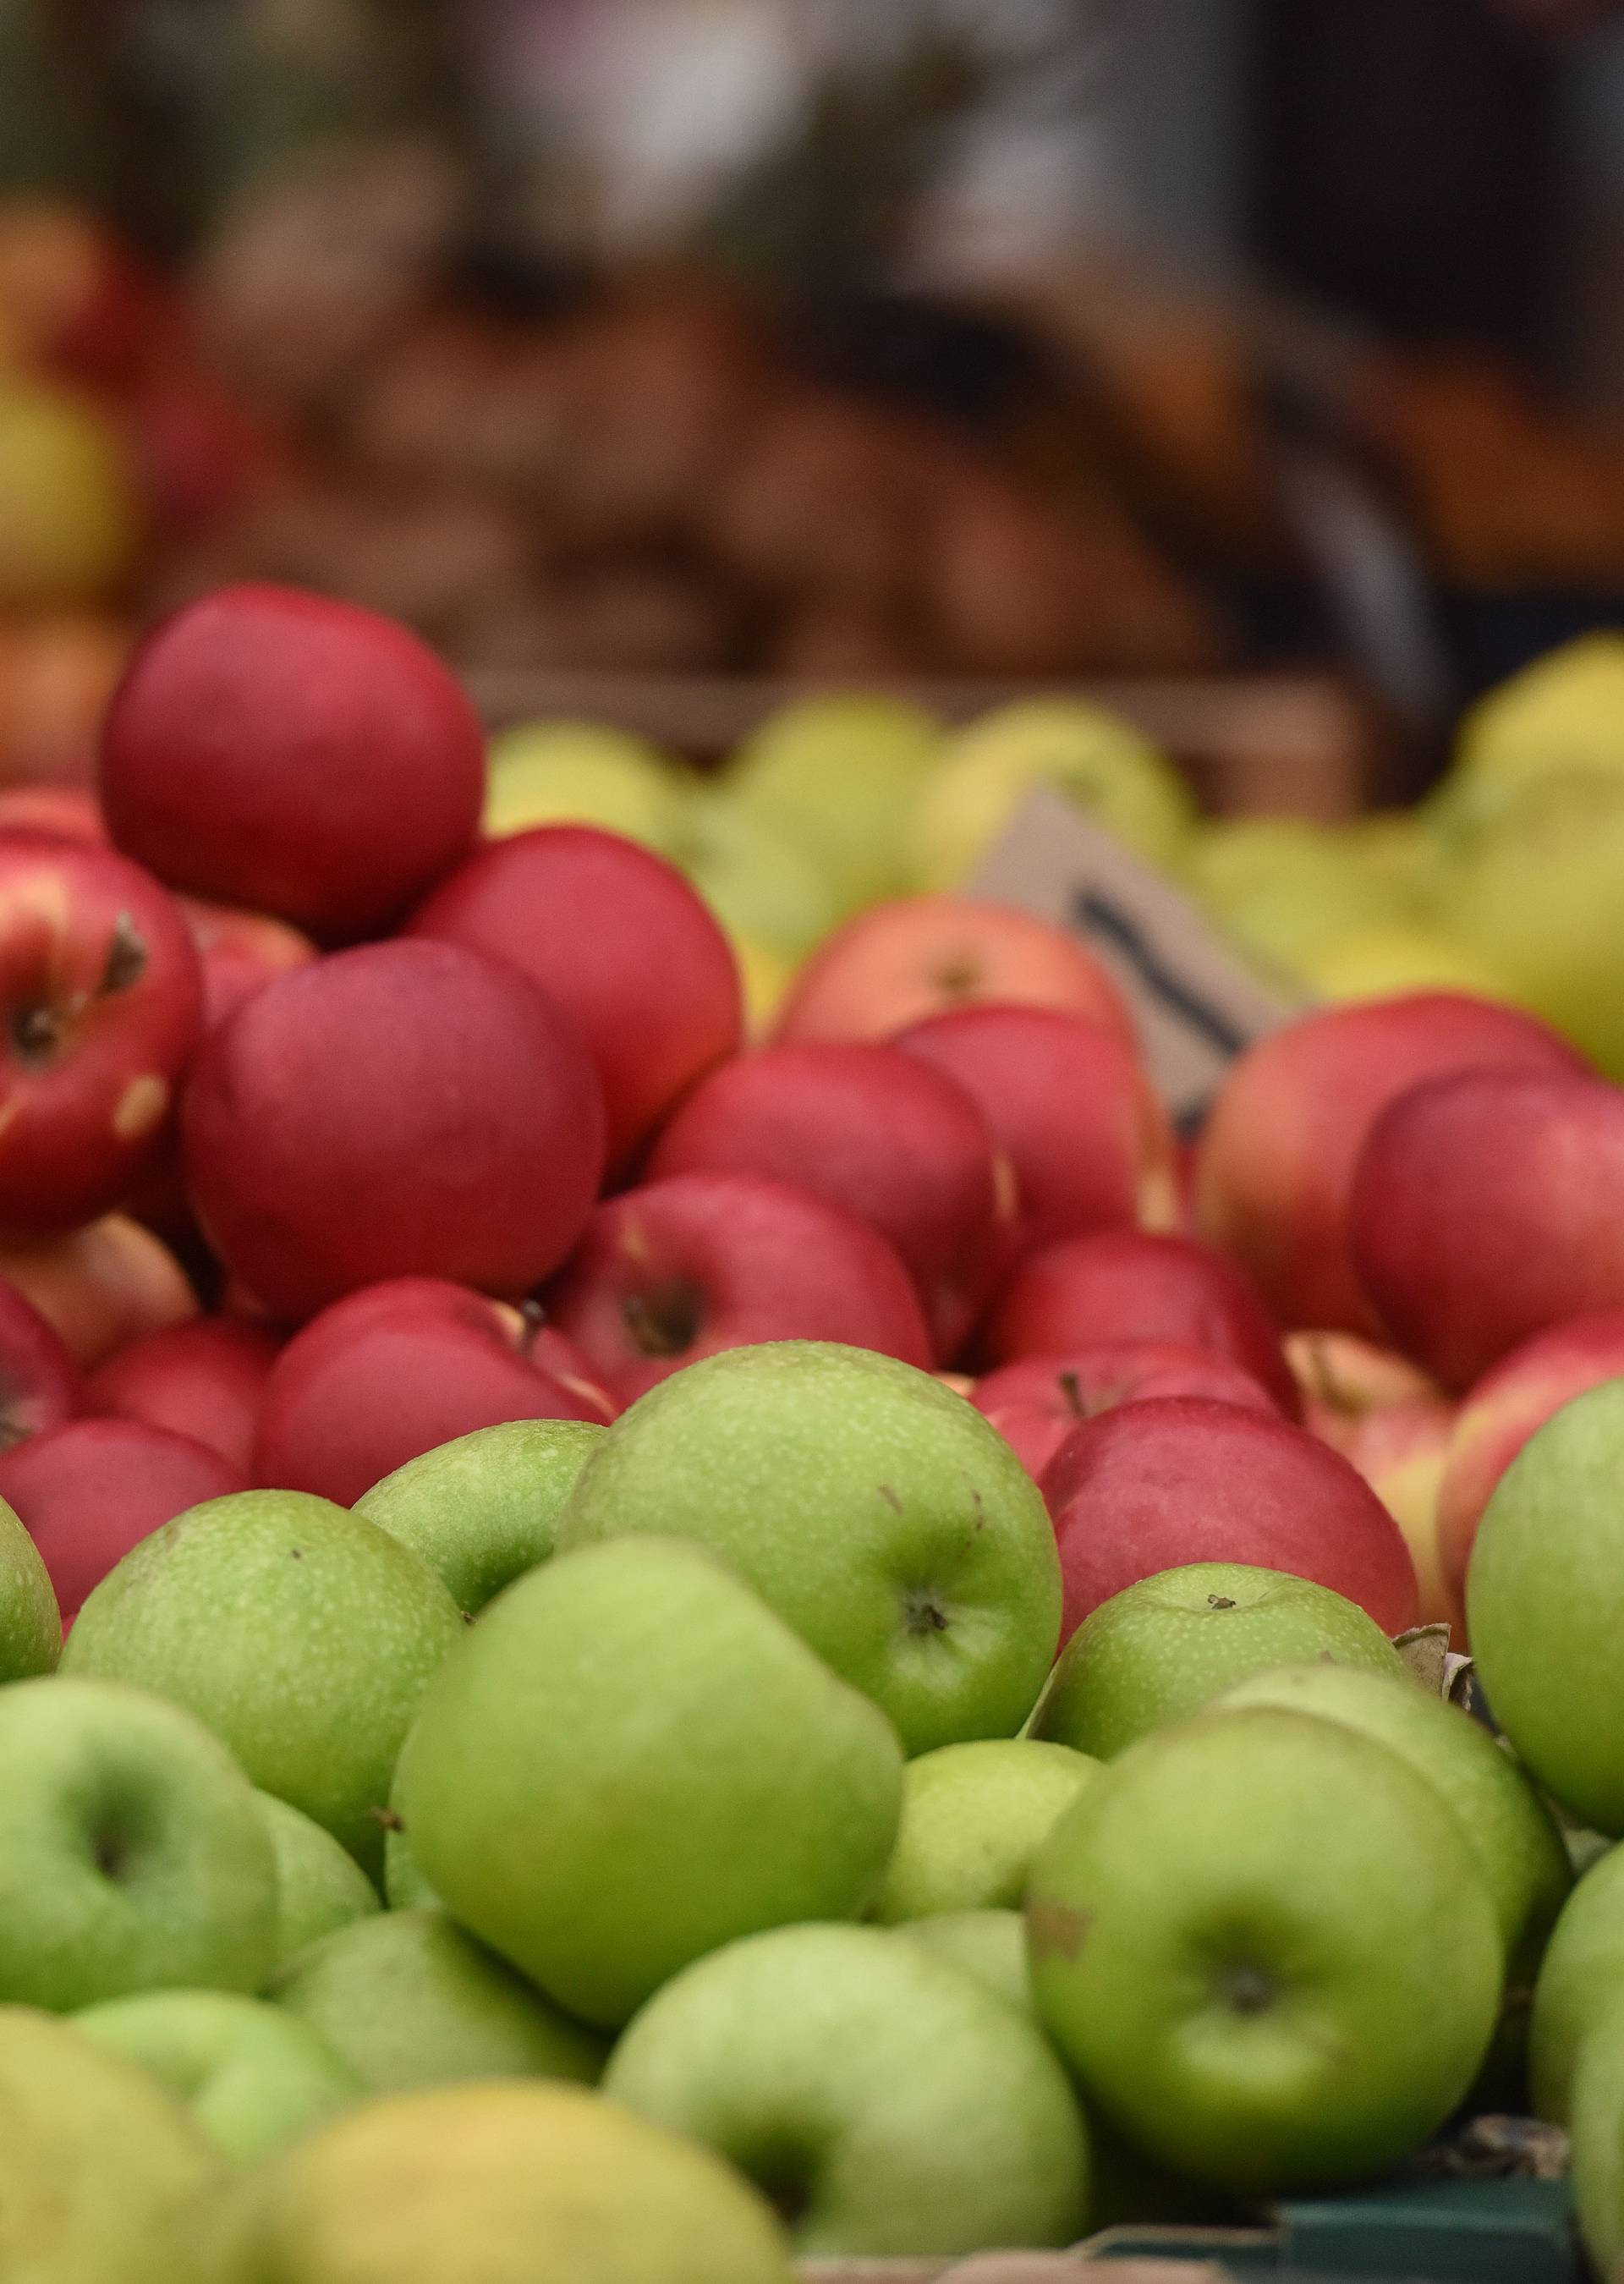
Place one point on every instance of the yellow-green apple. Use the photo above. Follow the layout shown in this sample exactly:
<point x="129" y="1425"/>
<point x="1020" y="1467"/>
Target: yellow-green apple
<point x="1581" y="1980"/>
<point x="102" y="1287"/>
<point x="320" y="1886"/>
<point x="1036" y="1403"/>
<point x="1385" y="962"/>
<point x="204" y="1379"/>
<point x="30" y="1623"/>
<point x="1290" y="889"/>
<point x="1560" y="713"/>
<point x="764" y="883"/>
<point x="840" y="773"/>
<point x="73" y="520"/>
<point x="973" y="1817"/>
<point x="1595" y="2136"/>
<point x="991" y="1946"/>
<point x="560" y="772"/>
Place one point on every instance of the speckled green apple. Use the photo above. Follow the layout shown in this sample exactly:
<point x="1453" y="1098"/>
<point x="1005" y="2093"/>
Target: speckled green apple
<point x="990" y="1946"/>
<point x="1581" y="1978"/>
<point x="973" y="1817"/>
<point x="319" y="1885"/>
<point x="30" y="1623"/>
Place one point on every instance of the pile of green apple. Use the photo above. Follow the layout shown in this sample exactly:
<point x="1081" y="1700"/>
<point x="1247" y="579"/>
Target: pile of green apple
<point x="646" y="1855"/>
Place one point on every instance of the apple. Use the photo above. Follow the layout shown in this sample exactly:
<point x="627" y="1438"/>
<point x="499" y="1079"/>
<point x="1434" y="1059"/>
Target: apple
<point x="684" y="1269"/>
<point x="73" y="520"/>
<point x="40" y="1382"/>
<point x="407" y="1999"/>
<point x="894" y="965"/>
<point x="973" y="1817"/>
<point x="251" y="2076"/>
<point x="103" y="1000"/>
<point x="1595" y="2133"/>
<point x="514" y="2180"/>
<point x="394" y="1372"/>
<point x="61" y="812"/>
<point x="79" y="300"/>
<point x="563" y="772"/>
<point x="1036" y="1403"/>
<point x="482" y="1509"/>
<point x="57" y="673"/>
<point x="205" y="1379"/>
<point x="1581" y="1978"/>
<point x="403" y="1110"/>
<point x="302" y="1635"/>
<point x="1279" y="1150"/>
<point x="655" y="995"/>
<point x="1129" y="1285"/>
<point x="875" y="1512"/>
<point x="763" y="884"/>
<point x="132" y="1854"/>
<point x="1166" y="1646"/>
<point x="405" y="1888"/>
<point x="1289" y="889"/>
<point x="1072" y="1110"/>
<point x="990" y="1945"/>
<point x="320" y="1886"/>
<point x="1395" y="957"/>
<point x="102" y="1287"/>
<point x="293" y="755"/>
<point x="839" y="773"/>
<point x="1179" y="1480"/>
<point x="912" y="2111"/>
<point x="881" y="1134"/>
<point x="239" y="952"/>
<point x="30" y="1623"/>
<point x="1266" y="1956"/>
<point x="1346" y="1382"/>
<point x="750" y="1787"/>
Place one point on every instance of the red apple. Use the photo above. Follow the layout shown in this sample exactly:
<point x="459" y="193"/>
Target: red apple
<point x="1155" y="1485"/>
<point x="681" y="1269"/>
<point x="405" y="1109"/>
<point x="101" y="1286"/>
<point x="40" y="1380"/>
<point x="1278" y="1156"/>
<point x="89" y="1491"/>
<point x="78" y="301"/>
<point x="57" y="674"/>
<point x="102" y="998"/>
<point x="1129" y="1285"/>
<point x="620" y="940"/>
<point x="295" y="755"/>
<point x="204" y="1379"/>
<point x="880" y="1133"/>
<point x="1344" y="1380"/>
<point x="1487" y="1206"/>
<point x="239" y="952"/>
<point x="392" y="1372"/>
<point x="60" y="812"/>
<point x="1036" y="1404"/>
<point x="894" y="965"/>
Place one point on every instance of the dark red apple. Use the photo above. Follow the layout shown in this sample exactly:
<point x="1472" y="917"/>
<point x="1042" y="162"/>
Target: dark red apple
<point x="239" y="952"/>
<point x="40" y="1381"/>
<point x="204" y="1379"/>
<point x="1036" y="1404"/>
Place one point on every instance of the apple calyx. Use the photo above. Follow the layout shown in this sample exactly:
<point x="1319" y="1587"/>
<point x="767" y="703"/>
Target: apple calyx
<point x="665" y="1320"/>
<point x="38" y="1029"/>
<point x="1247" y="1989"/>
<point x="126" y="957"/>
<point x="923" y="1614"/>
<point x="1220" y="1601"/>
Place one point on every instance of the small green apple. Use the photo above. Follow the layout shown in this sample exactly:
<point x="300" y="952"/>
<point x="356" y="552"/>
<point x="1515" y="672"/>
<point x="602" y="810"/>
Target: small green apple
<point x="885" y="2100"/>
<point x="990" y="1945"/>
<point x="319" y="1884"/>
<point x="30" y="1623"/>
<point x="758" y="875"/>
<point x="1268" y="1957"/>
<point x="404" y="1885"/>
<point x="483" y="1509"/>
<point x="1383" y="963"/>
<point x="840" y="773"/>
<point x="1290" y="889"/>
<point x="876" y="1511"/>
<point x="1562" y="712"/>
<point x="251" y="2076"/>
<point x="584" y="773"/>
<point x="973" y="1817"/>
<point x="630" y="1760"/>
<point x="408" y="1999"/>
<point x="1581" y="1971"/>
<point x="301" y="1634"/>
<point x="132" y="1851"/>
<point x="1595" y="2129"/>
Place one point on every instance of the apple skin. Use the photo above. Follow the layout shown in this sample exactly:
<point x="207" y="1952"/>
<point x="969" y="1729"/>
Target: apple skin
<point x="1129" y="1285"/>
<point x="656" y="997"/>
<point x="991" y="1946"/>
<point x="1265" y="1956"/>
<point x="1036" y="1403"/>
<point x="1176" y="1480"/>
<point x="239" y="952"/>
<point x="678" y="1270"/>
<point x="303" y="1636"/>
<point x="30" y="1623"/>
<point x="61" y="812"/>
<point x="320" y="1886"/>
<point x="914" y="2112"/>
<point x="892" y="967"/>
<point x="41" y="1386"/>
<point x="407" y="1999"/>
<point x="1581" y="1978"/>
<point x="1595" y="2133"/>
<point x="205" y="1379"/>
<point x="102" y="1287"/>
<point x="295" y="755"/>
<point x="875" y="1512"/>
<point x="1167" y="1646"/>
<point x="1278" y="1152"/>
<point x="973" y="1817"/>
<point x="132" y="1853"/>
<point x="391" y="1373"/>
<point x="441" y="1088"/>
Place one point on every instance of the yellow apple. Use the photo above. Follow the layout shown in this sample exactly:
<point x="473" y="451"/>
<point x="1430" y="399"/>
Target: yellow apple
<point x="584" y="773"/>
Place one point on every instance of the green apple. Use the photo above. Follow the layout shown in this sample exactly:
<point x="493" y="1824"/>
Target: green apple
<point x="404" y="1885"/>
<point x="885" y="2100"/>
<point x="841" y="773"/>
<point x="132" y="1850"/>
<point x="1290" y="889"/>
<point x="301" y="1634"/>
<point x="319" y="1884"/>
<point x="1580" y="1974"/>
<point x="251" y="2076"/>
<point x="30" y="1623"/>
<point x="408" y="1999"/>
<point x="483" y="1509"/>
<point x="1563" y="712"/>
<point x="990" y="1945"/>
<point x="584" y="773"/>
<point x="630" y="1760"/>
<point x="758" y="874"/>
<point x="1162" y="1648"/>
<point x="103" y="2174"/>
<point x="510" y="2183"/>
<point x="1385" y="962"/>
<point x="973" y="1817"/>
<point x="1545" y="1605"/>
<point x="874" y="1510"/>
<point x="1595" y="2129"/>
<point x="1268" y="1957"/>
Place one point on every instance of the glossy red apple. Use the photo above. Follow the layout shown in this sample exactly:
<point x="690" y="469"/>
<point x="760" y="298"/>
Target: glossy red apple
<point x="1156" y="1485"/>
<point x="1036" y="1404"/>
<point x="405" y="1109"/>
<point x="101" y="1286"/>
<point x="205" y="1380"/>
<point x="621" y="942"/>
<point x="293" y="755"/>
<point x="680" y="1269"/>
<point x="41" y="1385"/>
<point x="239" y="952"/>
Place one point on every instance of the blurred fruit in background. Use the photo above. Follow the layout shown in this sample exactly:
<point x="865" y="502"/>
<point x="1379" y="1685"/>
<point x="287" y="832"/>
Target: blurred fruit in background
<point x="72" y="519"/>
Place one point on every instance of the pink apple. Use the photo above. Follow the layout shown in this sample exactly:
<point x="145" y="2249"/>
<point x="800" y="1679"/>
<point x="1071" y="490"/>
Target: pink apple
<point x="293" y="755"/>
<point x="89" y="1491"/>
<point x="40" y="1381"/>
<point x="63" y="812"/>
<point x="894" y="965"/>
<point x="1346" y="1380"/>
<point x="405" y="1109"/>
<point x="205" y="1380"/>
<point x="1487" y="1206"/>
<point x="1156" y="1485"/>
<point x="1128" y="1285"/>
<point x="102" y="1287"/>
<point x="680" y="1269"/>
<point x="1277" y="1159"/>
<point x="239" y="952"/>
<point x="1036" y="1404"/>
<point x="617" y="938"/>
